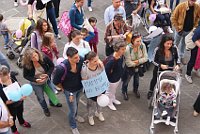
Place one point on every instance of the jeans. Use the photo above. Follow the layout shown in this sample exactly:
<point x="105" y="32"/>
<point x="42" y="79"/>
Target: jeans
<point x="3" y="60"/>
<point x="39" y="92"/>
<point x="56" y="4"/>
<point x="126" y="79"/>
<point x="192" y="60"/>
<point x="164" y="19"/>
<point x="172" y="2"/>
<point x="52" y="17"/>
<point x="162" y="108"/>
<point x="73" y="107"/>
<point x="152" y="45"/>
<point x="179" y="41"/>
<point x="89" y="3"/>
<point x="6" y="37"/>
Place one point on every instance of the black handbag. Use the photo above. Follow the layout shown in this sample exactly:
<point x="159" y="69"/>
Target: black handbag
<point x="109" y="50"/>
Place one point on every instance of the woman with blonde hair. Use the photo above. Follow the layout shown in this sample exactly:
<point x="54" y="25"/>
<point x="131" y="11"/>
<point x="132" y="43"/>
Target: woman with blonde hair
<point x="38" y="69"/>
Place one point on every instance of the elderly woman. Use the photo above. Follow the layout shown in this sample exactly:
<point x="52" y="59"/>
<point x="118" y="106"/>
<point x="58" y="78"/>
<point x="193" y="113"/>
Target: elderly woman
<point x="38" y="69"/>
<point x="135" y="56"/>
<point x="166" y="55"/>
<point x="115" y="30"/>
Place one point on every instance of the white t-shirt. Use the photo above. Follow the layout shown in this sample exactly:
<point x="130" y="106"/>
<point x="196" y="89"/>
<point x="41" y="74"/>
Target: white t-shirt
<point x="3" y="115"/>
<point x="83" y="44"/>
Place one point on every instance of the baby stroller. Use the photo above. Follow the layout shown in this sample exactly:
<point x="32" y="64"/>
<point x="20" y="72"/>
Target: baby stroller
<point x="15" y="46"/>
<point x="174" y="79"/>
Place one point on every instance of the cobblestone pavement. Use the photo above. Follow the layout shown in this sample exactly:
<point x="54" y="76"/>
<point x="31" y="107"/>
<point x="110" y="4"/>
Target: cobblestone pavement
<point x="132" y="117"/>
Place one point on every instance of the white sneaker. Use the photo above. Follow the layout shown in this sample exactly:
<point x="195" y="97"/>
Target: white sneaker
<point x="90" y="9"/>
<point x="56" y="92"/>
<point x="75" y="131"/>
<point x="79" y="119"/>
<point x="58" y="36"/>
<point x="16" y="4"/>
<point x="164" y="113"/>
<point x="169" y="29"/>
<point x="100" y="116"/>
<point x="116" y="102"/>
<point x="168" y="120"/>
<point x="91" y="120"/>
<point x="112" y="107"/>
<point x="188" y="78"/>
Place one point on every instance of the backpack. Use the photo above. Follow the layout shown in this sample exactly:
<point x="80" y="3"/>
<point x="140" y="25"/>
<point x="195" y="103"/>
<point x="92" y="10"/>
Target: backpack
<point x="65" y="24"/>
<point x="63" y="65"/>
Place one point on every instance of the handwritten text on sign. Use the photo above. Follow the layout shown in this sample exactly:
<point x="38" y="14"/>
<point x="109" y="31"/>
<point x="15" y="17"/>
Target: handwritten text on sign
<point x="96" y="85"/>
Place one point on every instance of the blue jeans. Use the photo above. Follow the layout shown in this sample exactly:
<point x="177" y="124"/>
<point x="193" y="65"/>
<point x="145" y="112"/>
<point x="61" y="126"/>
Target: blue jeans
<point x="164" y="19"/>
<point x="172" y="2"/>
<point x="73" y="107"/>
<point x="151" y="47"/>
<point x="6" y="37"/>
<point x="179" y="41"/>
<point x="39" y="92"/>
<point x="52" y="17"/>
<point x="126" y="79"/>
<point x="89" y="3"/>
<point x="3" y="60"/>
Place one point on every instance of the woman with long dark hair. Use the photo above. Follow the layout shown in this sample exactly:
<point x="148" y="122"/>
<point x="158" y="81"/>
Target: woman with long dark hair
<point x="166" y="55"/>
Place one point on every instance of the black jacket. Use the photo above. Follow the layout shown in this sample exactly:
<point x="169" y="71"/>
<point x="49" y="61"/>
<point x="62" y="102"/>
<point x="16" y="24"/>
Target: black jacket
<point x="47" y="65"/>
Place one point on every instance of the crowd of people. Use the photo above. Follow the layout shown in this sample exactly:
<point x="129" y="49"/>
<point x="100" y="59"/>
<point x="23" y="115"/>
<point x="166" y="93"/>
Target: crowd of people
<point x="124" y="58"/>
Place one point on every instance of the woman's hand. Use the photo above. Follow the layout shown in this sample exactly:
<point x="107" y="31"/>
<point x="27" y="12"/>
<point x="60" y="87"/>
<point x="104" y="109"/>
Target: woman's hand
<point x="43" y="76"/>
<point x="23" y="98"/>
<point x="176" y="68"/>
<point x="40" y="80"/>
<point x="136" y="62"/>
<point x="164" y="67"/>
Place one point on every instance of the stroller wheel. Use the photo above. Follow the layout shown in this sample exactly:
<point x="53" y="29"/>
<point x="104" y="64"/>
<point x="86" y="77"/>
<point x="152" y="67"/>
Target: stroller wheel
<point x="10" y="55"/>
<point x="19" y="64"/>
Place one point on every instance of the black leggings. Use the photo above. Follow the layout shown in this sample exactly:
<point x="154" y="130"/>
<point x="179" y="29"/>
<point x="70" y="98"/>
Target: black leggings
<point x="56" y="4"/>
<point x="17" y="112"/>
<point x="192" y="60"/>
<point x="154" y="79"/>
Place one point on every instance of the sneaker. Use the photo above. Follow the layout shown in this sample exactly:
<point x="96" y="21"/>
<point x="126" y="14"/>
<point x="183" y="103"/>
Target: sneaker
<point x="58" y="36"/>
<point x="16" y="132"/>
<point x="5" y="47"/>
<point x="125" y="94"/>
<point x="47" y="113"/>
<point x="75" y="131"/>
<point x="169" y="30"/>
<point x="116" y="102"/>
<point x="183" y="61"/>
<point x="112" y="107"/>
<point x="149" y="94"/>
<point x="100" y="116"/>
<point x="90" y="9"/>
<point x="26" y="124"/>
<point x="137" y="93"/>
<point x="58" y="105"/>
<point x="188" y="78"/>
<point x="168" y="120"/>
<point x="79" y="119"/>
<point x="195" y="114"/>
<point x="91" y="120"/>
<point x="164" y="113"/>
<point x="16" y="4"/>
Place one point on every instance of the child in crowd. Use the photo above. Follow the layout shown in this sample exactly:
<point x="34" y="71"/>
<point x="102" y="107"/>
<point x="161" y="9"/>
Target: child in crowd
<point x="49" y="48"/>
<point x="87" y="35"/>
<point x="91" y="69"/>
<point x="4" y="31"/>
<point x="16" y="108"/>
<point x="167" y="101"/>
<point x="94" y="41"/>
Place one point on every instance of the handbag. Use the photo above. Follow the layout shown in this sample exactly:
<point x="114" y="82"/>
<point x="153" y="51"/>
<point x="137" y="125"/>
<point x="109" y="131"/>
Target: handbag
<point x="188" y="40"/>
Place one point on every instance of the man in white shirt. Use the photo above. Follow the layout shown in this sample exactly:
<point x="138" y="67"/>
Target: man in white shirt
<point x="113" y="9"/>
